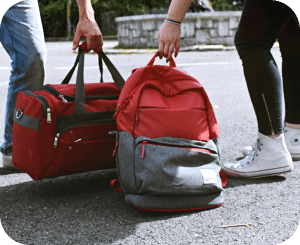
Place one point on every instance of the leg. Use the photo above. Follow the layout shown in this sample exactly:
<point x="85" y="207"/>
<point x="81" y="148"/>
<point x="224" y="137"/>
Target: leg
<point x="260" y="25"/>
<point x="289" y="40"/>
<point x="22" y="36"/>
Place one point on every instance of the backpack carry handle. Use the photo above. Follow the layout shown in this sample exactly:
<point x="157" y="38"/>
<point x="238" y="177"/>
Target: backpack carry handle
<point x="172" y="62"/>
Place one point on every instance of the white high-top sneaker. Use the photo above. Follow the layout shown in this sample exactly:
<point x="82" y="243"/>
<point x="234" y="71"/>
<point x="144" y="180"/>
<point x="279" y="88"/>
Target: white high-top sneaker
<point x="268" y="157"/>
<point x="292" y="140"/>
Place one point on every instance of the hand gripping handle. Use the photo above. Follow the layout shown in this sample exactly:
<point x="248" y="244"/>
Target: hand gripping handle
<point x="151" y="62"/>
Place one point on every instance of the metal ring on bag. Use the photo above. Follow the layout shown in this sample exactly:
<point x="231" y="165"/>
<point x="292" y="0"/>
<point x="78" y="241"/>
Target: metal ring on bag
<point x="19" y="114"/>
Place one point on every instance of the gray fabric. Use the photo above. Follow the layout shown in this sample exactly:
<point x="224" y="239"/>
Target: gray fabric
<point x="165" y="169"/>
<point x="175" y="202"/>
<point x="174" y="170"/>
<point x="125" y="162"/>
<point x="27" y="121"/>
<point x="218" y="145"/>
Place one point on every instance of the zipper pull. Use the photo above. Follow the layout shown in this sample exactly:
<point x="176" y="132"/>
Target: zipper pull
<point x="62" y="98"/>
<point x="143" y="152"/>
<point x="120" y="107"/>
<point x="48" y="115"/>
<point x="115" y="150"/>
<point x="117" y="111"/>
<point x="56" y="140"/>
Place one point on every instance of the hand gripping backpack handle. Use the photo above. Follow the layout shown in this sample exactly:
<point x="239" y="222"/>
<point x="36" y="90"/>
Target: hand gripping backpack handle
<point x="151" y="62"/>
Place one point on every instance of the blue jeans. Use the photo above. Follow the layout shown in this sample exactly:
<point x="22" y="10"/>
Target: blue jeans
<point x="22" y="36"/>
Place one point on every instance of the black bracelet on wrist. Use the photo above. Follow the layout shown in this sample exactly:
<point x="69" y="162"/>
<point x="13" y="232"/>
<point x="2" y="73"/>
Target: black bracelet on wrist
<point x="173" y="22"/>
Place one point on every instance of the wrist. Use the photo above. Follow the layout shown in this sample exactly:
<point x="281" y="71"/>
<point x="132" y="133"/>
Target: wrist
<point x="85" y="10"/>
<point x="173" y="22"/>
<point x="174" y="18"/>
<point x="87" y="14"/>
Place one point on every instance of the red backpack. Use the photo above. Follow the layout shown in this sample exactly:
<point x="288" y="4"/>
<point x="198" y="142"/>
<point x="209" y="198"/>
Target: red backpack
<point x="167" y="143"/>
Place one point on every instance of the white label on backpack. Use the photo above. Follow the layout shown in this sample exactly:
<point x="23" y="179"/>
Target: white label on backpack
<point x="209" y="176"/>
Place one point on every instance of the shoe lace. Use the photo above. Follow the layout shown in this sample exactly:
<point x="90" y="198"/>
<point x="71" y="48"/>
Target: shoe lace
<point x="256" y="148"/>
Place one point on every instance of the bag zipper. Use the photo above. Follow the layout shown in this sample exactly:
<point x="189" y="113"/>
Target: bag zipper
<point x="44" y="103"/>
<point x="127" y="99"/>
<point x="120" y="107"/>
<point x="145" y="142"/>
<point x="59" y="134"/>
<point x="67" y="98"/>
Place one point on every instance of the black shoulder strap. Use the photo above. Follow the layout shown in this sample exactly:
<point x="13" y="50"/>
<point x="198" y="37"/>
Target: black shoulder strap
<point x="118" y="79"/>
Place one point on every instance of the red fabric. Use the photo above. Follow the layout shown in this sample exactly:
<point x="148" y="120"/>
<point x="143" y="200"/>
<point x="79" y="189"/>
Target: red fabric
<point x="116" y="188"/>
<point x="187" y="124"/>
<point x="171" y="64"/>
<point x="224" y="179"/>
<point x="92" y="152"/>
<point x="91" y="89"/>
<point x="160" y="101"/>
<point x="25" y="150"/>
<point x="34" y="151"/>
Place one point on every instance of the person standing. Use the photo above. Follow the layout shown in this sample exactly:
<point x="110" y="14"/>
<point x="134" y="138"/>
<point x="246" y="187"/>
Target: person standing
<point x="262" y="22"/>
<point x="22" y="36"/>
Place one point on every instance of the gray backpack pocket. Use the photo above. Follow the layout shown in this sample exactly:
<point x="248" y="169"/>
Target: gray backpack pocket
<point x="172" y="166"/>
<point x="168" y="169"/>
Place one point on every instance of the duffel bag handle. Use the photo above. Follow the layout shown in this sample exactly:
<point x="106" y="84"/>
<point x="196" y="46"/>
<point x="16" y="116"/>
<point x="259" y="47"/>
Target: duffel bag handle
<point x="79" y="106"/>
<point x="118" y="79"/>
<point x="71" y="72"/>
<point x="151" y="62"/>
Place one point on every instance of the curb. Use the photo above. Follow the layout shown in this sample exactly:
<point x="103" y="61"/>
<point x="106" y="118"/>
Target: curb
<point x="202" y="48"/>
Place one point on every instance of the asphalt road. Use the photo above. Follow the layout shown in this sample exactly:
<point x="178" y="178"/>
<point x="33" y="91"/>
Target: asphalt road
<point x="83" y="209"/>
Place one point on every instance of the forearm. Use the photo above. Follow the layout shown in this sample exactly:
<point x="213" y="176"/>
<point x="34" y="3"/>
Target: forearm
<point x="87" y="27"/>
<point x="85" y="9"/>
<point x="178" y="9"/>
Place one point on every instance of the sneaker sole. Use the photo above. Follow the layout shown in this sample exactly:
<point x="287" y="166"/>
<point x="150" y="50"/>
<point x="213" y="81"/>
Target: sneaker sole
<point x="258" y="174"/>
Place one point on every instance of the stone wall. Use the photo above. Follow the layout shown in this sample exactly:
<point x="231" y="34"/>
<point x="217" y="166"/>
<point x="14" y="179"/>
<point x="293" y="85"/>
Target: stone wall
<point x="197" y="28"/>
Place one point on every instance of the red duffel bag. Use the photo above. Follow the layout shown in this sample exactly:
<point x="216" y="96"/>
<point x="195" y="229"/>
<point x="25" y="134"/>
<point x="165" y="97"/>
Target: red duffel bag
<point x="67" y="128"/>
